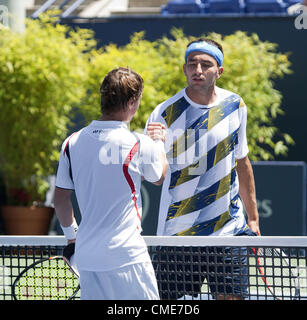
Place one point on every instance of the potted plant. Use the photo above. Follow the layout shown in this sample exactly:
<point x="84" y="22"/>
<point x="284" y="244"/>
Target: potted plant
<point x="42" y="78"/>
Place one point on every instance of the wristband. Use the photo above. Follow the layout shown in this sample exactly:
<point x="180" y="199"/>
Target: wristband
<point x="71" y="231"/>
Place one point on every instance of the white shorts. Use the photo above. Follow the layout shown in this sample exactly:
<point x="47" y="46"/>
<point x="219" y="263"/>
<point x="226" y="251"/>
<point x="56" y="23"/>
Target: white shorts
<point x="132" y="282"/>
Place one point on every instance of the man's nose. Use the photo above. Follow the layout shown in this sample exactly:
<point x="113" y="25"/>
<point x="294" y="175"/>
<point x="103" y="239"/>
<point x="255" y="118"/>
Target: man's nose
<point x="199" y="68"/>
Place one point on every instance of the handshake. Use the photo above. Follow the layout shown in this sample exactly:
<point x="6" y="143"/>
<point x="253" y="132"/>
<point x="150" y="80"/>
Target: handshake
<point x="156" y="131"/>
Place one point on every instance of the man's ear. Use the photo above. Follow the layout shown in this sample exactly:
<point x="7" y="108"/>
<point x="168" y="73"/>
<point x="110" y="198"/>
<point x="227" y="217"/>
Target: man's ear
<point x="131" y="103"/>
<point x="184" y="69"/>
<point x="220" y="72"/>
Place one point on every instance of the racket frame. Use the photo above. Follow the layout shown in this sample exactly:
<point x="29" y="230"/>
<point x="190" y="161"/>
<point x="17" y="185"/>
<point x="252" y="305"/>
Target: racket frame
<point x="40" y="261"/>
<point x="260" y="269"/>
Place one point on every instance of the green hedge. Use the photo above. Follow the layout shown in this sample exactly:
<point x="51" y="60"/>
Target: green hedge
<point x="43" y="75"/>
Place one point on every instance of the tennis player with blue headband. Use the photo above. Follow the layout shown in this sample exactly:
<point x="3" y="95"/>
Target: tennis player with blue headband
<point x="208" y="201"/>
<point x="203" y="67"/>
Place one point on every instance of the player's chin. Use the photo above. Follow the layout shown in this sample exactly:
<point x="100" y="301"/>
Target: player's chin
<point x="197" y="81"/>
<point x="198" y="85"/>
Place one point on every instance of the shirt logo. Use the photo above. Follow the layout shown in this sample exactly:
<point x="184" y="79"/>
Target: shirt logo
<point x="97" y="131"/>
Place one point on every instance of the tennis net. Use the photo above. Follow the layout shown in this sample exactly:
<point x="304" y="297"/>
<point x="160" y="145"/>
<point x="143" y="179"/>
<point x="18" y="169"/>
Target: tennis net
<point x="187" y="268"/>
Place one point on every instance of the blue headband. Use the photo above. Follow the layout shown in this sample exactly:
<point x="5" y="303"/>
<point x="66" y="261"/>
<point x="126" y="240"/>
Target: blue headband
<point x="205" y="47"/>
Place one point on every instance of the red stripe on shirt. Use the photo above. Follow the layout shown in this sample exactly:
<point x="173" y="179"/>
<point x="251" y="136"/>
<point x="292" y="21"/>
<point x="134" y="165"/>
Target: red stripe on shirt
<point x="68" y="141"/>
<point x="127" y="175"/>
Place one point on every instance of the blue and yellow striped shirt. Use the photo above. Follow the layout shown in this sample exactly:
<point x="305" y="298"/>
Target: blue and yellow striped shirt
<point x="200" y="195"/>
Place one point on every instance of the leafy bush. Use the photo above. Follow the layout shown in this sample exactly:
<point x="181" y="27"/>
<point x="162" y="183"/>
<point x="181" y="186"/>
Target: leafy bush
<point x="250" y="67"/>
<point x="141" y="56"/>
<point x="42" y="76"/>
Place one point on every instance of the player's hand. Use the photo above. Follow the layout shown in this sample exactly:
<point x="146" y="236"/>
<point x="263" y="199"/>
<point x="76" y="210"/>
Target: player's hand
<point x="156" y="131"/>
<point x="254" y="226"/>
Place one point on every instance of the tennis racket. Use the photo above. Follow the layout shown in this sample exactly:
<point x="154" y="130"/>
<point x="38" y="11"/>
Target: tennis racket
<point x="51" y="278"/>
<point x="277" y="273"/>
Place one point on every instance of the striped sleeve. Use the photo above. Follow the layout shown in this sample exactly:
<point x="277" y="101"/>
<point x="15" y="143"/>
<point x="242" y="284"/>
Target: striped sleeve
<point x="64" y="175"/>
<point x="241" y="149"/>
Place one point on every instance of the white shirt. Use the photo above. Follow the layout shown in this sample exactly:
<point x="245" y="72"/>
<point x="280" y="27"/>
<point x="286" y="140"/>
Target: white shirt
<point x="105" y="168"/>
<point x="200" y="194"/>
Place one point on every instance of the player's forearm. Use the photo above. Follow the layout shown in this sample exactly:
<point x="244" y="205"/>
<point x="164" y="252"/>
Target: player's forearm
<point x="63" y="206"/>
<point x="248" y="192"/>
<point x="164" y="170"/>
<point x="156" y="131"/>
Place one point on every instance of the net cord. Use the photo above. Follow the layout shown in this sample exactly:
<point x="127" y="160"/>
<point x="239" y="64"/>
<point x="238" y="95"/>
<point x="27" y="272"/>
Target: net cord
<point x="276" y="241"/>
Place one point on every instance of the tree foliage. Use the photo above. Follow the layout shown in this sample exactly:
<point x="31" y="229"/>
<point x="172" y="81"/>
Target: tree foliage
<point x="43" y="74"/>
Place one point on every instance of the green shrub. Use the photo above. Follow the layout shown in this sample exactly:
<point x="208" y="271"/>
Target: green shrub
<point x="43" y="74"/>
<point x="141" y="56"/>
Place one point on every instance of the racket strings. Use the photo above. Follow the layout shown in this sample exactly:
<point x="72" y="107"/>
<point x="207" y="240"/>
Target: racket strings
<point x="48" y="279"/>
<point x="276" y="271"/>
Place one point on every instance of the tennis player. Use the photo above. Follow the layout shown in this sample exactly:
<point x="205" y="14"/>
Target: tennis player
<point x="209" y="169"/>
<point x="104" y="164"/>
